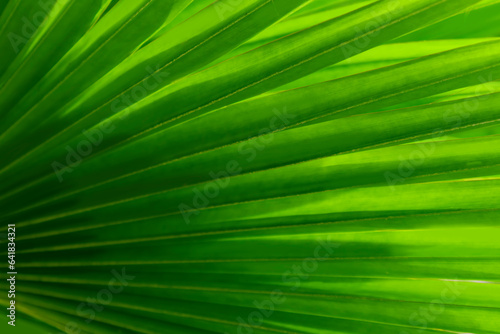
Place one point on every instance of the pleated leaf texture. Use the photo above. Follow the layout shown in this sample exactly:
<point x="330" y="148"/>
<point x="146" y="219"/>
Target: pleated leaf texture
<point x="250" y="166"/>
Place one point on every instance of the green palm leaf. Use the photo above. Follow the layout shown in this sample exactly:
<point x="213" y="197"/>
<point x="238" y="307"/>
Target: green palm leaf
<point x="260" y="166"/>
